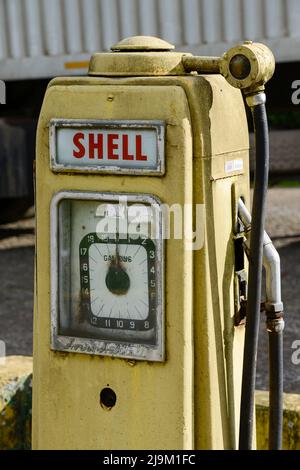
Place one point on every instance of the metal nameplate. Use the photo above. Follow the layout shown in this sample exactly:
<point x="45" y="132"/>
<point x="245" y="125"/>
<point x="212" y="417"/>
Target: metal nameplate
<point x="118" y="147"/>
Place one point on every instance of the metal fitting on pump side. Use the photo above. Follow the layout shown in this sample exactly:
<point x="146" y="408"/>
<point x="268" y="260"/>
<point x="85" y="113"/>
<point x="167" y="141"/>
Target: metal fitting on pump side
<point x="248" y="66"/>
<point x="271" y="260"/>
<point x="275" y="324"/>
<point x="256" y="99"/>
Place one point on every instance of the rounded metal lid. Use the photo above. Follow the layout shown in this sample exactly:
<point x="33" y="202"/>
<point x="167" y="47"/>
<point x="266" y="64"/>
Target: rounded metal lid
<point x="143" y="56"/>
<point x="142" y="43"/>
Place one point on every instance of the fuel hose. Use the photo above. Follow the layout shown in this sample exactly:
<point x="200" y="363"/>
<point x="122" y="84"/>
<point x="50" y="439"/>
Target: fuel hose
<point x="257" y="105"/>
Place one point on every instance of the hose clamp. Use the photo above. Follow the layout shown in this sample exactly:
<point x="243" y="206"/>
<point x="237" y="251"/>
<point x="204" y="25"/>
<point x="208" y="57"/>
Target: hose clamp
<point x="256" y="99"/>
<point x="275" y="325"/>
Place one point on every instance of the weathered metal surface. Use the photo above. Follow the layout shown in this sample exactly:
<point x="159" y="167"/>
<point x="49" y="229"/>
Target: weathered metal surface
<point x="15" y="415"/>
<point x="201" y="115"/>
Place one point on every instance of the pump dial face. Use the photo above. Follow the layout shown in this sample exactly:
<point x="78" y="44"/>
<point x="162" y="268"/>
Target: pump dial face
<point x="107" y="296"/>
<point x="118" y="282"/>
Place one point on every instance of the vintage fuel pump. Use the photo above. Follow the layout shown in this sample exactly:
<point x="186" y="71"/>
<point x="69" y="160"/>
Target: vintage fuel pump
<point x="142" y="184"/>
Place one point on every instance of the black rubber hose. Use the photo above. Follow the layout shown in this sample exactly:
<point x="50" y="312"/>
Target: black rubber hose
<point x="276" y="389"/>
<point x="255" y="275"/>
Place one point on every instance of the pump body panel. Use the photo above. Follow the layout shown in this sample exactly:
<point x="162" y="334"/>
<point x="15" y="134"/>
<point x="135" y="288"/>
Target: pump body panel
<point x="184" y="400"/>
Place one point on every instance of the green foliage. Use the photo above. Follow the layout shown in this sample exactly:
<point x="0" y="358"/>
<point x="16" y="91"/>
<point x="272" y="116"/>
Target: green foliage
<point x="284" y="120"/>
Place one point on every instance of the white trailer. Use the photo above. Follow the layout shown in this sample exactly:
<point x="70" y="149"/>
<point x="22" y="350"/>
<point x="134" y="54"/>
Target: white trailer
<point x="45" y="38"/>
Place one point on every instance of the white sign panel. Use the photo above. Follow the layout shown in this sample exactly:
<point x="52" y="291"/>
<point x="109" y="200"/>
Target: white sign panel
<point x="107" y="146"/>
<point x="234" y="165"/>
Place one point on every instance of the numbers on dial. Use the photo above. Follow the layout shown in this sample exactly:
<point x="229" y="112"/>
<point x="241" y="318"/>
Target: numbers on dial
<point x="118" y="282"/>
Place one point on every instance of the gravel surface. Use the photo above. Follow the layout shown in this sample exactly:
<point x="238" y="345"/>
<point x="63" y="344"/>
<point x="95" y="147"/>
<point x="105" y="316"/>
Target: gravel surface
<point x="17" y="270"/>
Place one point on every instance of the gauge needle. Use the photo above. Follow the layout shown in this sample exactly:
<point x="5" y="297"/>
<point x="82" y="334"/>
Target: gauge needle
<point x="117" y="279"/>
<point x="117" y="251"/>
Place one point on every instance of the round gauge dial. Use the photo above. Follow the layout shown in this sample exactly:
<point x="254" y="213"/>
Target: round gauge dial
<point x="118" y="282"/>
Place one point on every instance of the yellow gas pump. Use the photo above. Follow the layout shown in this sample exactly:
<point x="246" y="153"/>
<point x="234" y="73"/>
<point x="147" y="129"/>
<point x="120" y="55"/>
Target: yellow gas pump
<point x="140" y="271"/>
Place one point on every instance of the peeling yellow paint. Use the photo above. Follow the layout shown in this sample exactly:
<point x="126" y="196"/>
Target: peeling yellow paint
<point x="184" y="402"/>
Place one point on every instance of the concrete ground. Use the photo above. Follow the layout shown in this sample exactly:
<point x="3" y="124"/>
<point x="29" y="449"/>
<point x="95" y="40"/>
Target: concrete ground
<point x="17" y="271"/>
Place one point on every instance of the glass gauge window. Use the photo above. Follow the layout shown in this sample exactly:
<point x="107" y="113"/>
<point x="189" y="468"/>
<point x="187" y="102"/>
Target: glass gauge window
<point x="107" y="291"/>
